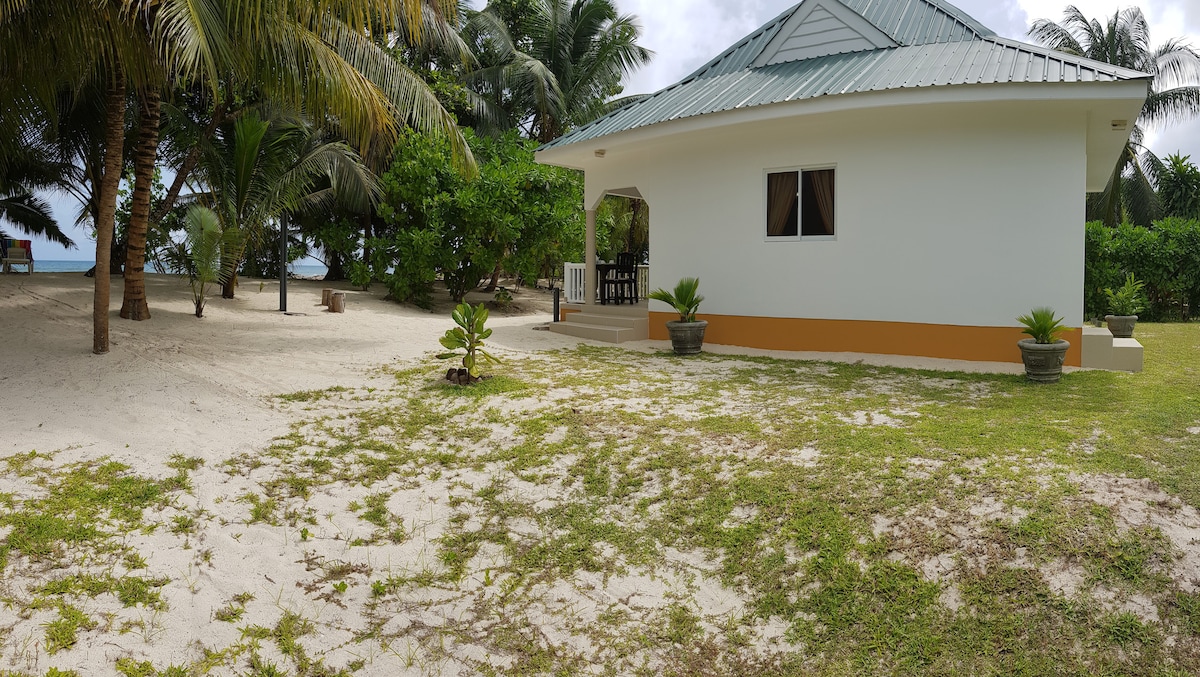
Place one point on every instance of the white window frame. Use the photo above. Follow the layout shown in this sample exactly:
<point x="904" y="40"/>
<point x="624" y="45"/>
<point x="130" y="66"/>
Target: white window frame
<point x="798" y="237"/>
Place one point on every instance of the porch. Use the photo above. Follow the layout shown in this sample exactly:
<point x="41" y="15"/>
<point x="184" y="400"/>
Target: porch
<point x="581" y="314"/>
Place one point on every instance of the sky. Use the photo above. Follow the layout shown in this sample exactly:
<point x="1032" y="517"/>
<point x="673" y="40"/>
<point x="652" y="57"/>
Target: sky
<point x="686" y="34"/>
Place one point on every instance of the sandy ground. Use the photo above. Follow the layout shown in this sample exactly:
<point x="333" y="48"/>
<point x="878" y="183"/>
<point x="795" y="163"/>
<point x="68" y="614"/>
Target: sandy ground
<point x="202" y="388"/>
<point x="178" y="384"/>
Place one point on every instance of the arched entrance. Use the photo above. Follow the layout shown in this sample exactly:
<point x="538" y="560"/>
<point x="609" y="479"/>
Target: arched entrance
<point x="617" y="236"/>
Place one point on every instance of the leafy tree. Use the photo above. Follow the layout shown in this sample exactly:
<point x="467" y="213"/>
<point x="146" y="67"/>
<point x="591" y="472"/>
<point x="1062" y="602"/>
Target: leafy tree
<point x="561" y="69"/>
<point x="1179" y="187"/>
<point x="514" y="214"/>
<point x="1124" y="40"/>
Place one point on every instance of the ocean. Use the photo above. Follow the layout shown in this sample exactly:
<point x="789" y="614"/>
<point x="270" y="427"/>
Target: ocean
<point x="47" y="266"/>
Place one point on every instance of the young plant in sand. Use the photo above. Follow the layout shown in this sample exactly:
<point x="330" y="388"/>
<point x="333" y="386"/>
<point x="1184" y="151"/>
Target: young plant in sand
<point x="208" y="253"/>
<point x="468" y="336"/>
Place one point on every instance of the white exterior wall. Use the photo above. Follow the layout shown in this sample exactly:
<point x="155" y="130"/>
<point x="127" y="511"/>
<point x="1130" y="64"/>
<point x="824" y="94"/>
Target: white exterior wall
<point x="961" y="214"/>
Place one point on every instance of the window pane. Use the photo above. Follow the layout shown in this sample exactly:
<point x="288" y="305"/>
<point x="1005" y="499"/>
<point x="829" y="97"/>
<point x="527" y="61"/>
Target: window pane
<point x="782" y="210"/>
<point x="817" y="199"/>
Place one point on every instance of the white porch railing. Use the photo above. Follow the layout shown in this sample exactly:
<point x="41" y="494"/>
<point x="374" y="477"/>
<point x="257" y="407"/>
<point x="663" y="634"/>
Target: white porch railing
<point x="575" y="282"/>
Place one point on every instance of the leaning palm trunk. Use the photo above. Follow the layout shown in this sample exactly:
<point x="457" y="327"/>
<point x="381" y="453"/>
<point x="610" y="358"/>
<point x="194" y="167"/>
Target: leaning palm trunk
<point x="114" y="149"/>
<point x="134" y="306"/>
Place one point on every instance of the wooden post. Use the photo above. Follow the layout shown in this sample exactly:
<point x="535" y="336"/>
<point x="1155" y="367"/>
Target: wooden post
<point x="337" y="303"/>
<point x="326" y="295"/>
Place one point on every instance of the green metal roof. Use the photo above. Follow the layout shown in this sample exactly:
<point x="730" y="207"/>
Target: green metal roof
<point x="936" y="44"/>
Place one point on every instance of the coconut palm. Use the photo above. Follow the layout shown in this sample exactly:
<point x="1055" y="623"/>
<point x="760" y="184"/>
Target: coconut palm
<point x="1124" y="40"/>
<point x="319" y="56"/>
<point x="264" y="165"/>
<point x="563" y="71"/>
<point x="28" y="171"/>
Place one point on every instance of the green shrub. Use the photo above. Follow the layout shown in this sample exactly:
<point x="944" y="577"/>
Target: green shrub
<point x="1165" y="257"/>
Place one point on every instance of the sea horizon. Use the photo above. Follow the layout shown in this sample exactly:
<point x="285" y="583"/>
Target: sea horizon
<point x="82" y="266"/>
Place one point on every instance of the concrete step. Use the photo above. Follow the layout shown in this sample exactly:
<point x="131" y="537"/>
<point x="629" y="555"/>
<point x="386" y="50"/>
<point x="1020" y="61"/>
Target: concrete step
<point x="597" y="319"/>
<point x="596" y="332"/>
<point x="1097" y="348"/>
<point x="1126" y="355"/>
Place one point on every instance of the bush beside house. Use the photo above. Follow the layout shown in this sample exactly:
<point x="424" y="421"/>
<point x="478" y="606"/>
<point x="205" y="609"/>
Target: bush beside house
<point x="1165" y="256"/>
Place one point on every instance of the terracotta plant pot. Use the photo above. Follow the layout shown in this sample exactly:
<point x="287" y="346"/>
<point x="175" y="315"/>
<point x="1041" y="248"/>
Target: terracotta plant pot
<point x="687" y="337"/>
<point x="1043" y="361"/>
<point x="1121" y="326"/>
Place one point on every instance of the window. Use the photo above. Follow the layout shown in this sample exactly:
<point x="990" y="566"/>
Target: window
<point x="800" y="203"/>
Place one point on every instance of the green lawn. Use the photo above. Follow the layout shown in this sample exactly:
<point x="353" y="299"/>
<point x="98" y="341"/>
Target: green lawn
<point x="598" y="511"/>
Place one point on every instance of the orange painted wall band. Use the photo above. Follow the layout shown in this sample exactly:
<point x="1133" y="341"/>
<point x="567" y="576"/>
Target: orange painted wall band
<point x="953" y="342"/>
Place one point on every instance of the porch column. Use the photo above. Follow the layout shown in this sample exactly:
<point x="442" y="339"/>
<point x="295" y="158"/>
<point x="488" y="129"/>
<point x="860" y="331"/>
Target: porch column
<point x="589" y="259"/>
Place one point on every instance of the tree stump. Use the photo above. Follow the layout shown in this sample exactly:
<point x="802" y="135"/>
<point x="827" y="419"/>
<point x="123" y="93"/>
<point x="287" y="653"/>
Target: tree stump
<point x="326" y="296"/>
<point x="337" y="302"/>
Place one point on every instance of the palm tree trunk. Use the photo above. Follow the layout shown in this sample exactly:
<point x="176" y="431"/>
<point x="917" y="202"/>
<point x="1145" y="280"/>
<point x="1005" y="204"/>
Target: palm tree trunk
<point x="190" y="161"/>
<point x="134" y="306"/>
<point x="230" y="285"/>
<point x="110" y="181"/>
<point x="494" y="281"/>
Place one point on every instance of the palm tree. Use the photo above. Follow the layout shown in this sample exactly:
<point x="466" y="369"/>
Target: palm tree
<point x="260" y="167"/>
<point x="1124" y="40"/>
<point x="30" y="170"/>
<point x="565" y="68"/>
<point x="319" y="56"/>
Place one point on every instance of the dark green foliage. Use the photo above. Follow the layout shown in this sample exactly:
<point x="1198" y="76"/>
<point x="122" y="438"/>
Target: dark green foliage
<point x="1179" y="187"/>
<point x="515" y="214"/>
<point x="1165" y="256"/>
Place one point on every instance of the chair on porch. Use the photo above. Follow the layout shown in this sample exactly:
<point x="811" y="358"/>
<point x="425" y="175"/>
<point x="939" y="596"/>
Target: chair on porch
<point x="621" y="279"/>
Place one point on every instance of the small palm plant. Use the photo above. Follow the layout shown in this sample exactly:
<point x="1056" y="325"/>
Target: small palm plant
<point x="685" y="300"/>
<point x="1127" y="299"/>
<point x="1042" y="325"/>
<point x="469" y="336"/>
<point x="208" y="248"/>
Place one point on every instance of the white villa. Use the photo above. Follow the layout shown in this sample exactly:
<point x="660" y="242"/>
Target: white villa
<point x="874" y="176"/>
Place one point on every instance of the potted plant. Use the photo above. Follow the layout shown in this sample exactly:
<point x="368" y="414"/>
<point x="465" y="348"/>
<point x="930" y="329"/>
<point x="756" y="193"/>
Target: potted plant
<point x="687" y="333"/>
<point x="1044" y="352"/>
<point x="1124" y="304"/>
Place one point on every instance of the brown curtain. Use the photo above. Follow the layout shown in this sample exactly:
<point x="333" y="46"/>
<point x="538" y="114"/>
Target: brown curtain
<point x="782" y="190"/>
<point x="822" y="183"/>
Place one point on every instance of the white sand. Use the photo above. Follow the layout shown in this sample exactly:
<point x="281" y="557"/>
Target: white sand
<point x="201" y="387"/>
<point x="176" y="383"/>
